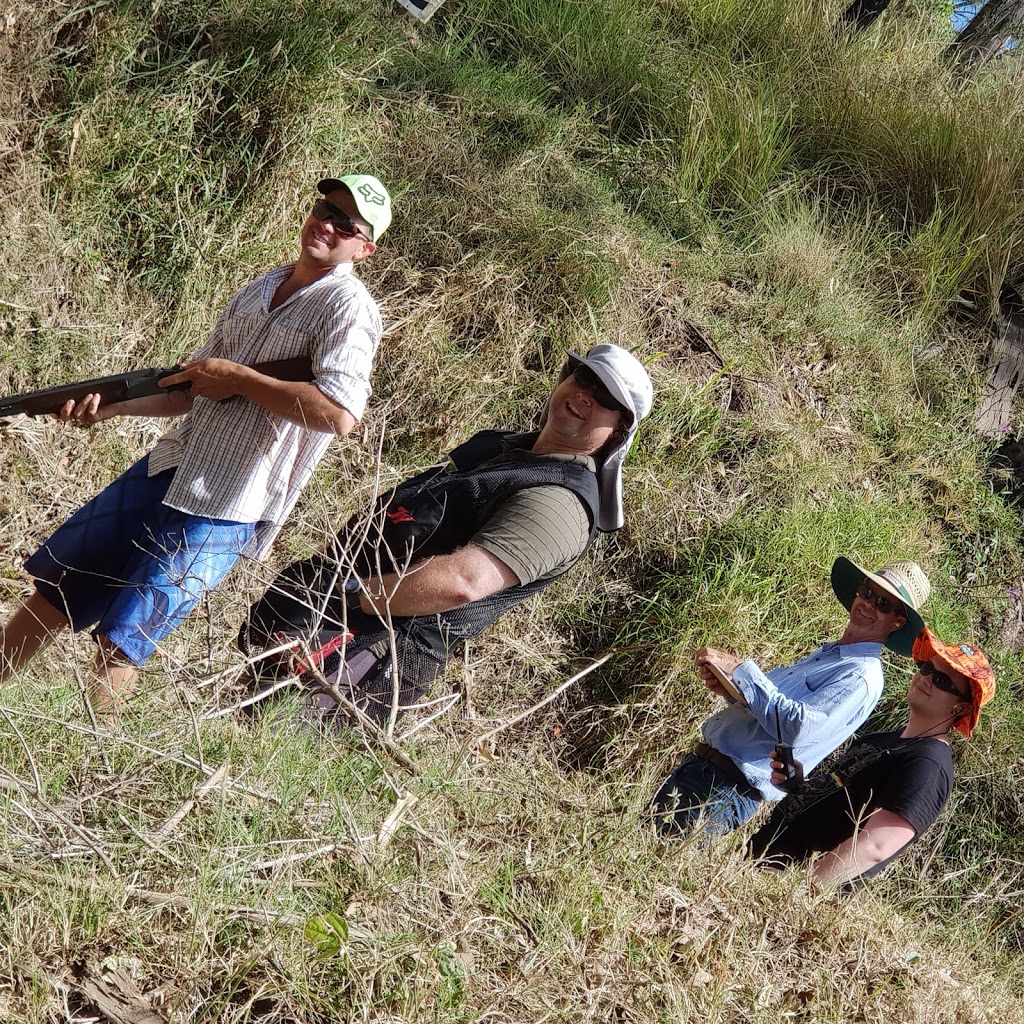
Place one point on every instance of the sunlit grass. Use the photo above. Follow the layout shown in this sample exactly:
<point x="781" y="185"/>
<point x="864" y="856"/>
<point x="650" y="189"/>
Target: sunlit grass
<point x="777" y="224"/>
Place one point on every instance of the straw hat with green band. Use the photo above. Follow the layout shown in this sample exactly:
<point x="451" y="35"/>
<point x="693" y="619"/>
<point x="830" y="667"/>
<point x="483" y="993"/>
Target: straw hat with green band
<point x="905" y="581"/>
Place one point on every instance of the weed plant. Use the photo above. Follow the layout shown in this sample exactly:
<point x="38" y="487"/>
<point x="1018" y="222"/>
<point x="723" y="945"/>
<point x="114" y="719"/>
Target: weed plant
<point x="780" y="223"/>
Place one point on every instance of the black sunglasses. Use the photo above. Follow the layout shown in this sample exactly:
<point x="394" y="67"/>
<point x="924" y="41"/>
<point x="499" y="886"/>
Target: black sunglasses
<point x="338" y="219"/>
<point x="586" y="378"/>
<point x="940" y="679"/>
<point x="882" y="602"/>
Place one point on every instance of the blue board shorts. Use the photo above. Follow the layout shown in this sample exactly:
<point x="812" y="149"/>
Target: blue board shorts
<point x="133" y="567"/>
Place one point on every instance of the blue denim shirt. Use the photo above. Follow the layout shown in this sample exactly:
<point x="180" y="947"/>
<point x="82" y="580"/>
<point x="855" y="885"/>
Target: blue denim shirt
<point x="821" y="700"/>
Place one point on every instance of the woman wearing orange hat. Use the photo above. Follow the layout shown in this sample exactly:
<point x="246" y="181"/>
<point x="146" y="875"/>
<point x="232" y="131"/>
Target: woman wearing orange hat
<point x="888" y="787"/>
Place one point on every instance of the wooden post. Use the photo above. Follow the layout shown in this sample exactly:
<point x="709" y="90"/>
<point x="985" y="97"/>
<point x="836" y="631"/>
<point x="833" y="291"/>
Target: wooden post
<point x="995" y="413"/>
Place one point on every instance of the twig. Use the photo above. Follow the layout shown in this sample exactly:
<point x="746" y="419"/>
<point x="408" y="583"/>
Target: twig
<point x="164" y="899"/>
<point x="391" y="823"/>
<point x="163" y="757"/>
<point x="82" y="833"/>
<point x="546" y="700"/>
<point x="366" y="723"/>
<point x="148" y="841"/>
<point x="36" y="781"/>
<point x="83" y="689"/>
<point x="450" y="700"/>
<point x="236" y="670"/>
<point x="216" y="779"/>
<point x="161" y="899"/>
<point x="284" y="684"/>
<point x="277" y="862"/>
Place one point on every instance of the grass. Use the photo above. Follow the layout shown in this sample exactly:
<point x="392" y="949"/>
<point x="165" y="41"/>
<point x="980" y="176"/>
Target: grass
<point x="780" y="226"/>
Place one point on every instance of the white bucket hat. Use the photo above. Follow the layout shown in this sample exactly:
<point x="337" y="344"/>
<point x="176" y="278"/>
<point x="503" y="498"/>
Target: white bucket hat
<point x="625" y="377"/>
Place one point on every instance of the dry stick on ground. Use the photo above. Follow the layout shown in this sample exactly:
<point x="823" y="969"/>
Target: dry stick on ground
<point x="160" y="899"/>
<point x="405" y="803"/>
<point x="216" y="779"/>
<point x="37" y="782"/>
<point x="163" y="899"/>
<point x="491" y="733"/>
<point x="179" y="757"/>
<point x="82" y="833"/>
<point x="83" y="689"/>
<point x="201" y="682"/>
<point x="238" y="671"/>
<point x="367" y="725"/>
<point x="277" y="862"/>
<point x="149" y="842"/>
<point x="285" y="684"/>
<point x="449" y="701"/>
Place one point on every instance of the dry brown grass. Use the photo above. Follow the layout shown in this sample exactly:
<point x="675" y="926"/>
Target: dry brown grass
<point x="797" y="418"/>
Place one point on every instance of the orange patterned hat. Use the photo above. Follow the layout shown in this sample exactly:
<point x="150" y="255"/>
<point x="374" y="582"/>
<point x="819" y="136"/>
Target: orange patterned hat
<point x="969" y="661"/>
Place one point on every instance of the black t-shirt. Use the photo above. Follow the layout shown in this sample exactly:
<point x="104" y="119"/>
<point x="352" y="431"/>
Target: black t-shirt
<point x="908" y="777"/>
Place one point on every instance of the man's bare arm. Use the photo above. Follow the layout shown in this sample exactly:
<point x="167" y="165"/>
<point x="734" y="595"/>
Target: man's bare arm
<point x="90" y="410"/>
<point x="438" y="584"/>
<point x="300" y="402"/>
<point x="882" y="835"/>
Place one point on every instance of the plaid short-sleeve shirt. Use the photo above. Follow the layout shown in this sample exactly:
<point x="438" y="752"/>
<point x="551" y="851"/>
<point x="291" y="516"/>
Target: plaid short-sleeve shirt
<point x="234" y="459"/>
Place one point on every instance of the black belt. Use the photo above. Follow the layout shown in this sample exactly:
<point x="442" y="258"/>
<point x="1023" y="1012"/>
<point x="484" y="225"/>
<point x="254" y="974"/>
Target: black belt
<point x="729" y="768"/>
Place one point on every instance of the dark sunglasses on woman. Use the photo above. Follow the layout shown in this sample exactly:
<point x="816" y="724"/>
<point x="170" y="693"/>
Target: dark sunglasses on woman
<point x="940" y="679"/>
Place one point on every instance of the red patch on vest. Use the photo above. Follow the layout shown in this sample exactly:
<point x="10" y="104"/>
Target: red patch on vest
<point x="401" y="515"/>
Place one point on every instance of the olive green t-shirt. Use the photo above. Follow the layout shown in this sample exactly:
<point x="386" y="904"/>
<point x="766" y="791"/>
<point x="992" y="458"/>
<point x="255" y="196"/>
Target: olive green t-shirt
<point x="539" y="531"/>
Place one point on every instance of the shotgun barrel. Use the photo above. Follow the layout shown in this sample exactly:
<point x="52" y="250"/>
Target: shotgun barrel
<point x="118" y="387"/>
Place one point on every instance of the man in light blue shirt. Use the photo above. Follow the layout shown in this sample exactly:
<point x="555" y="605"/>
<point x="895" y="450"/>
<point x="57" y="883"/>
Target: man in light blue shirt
<point x="812" y="705"/>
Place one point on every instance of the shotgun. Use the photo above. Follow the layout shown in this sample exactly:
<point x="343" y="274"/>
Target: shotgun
<point x="121" y="387"/>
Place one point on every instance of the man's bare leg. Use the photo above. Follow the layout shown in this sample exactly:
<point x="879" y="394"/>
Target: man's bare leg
<point x="115" y="680"/>
<point x="32" y="628"/>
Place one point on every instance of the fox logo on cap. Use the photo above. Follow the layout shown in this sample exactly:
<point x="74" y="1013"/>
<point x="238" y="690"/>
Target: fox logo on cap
<point x="371" y="195"/>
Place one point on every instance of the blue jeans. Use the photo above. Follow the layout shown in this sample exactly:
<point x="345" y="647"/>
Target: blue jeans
<point x="700" y="793"/>
<point x="133" y="566"/>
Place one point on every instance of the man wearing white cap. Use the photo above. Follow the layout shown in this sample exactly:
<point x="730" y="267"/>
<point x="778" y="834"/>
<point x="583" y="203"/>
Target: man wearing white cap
<point x="444" y="554"/>
<point x="135" y="560"/>
<point x="811" y="706"/>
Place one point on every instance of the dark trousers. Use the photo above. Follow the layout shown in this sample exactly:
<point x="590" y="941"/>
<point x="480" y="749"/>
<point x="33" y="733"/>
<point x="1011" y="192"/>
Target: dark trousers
<point x="701" y="794"/>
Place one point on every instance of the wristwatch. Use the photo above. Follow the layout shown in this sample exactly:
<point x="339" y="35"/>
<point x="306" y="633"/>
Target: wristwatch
<point x="353" y="589"/>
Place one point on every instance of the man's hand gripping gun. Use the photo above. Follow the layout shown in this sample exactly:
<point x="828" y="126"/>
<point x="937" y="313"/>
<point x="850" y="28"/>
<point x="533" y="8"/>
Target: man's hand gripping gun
<point x="119" y="387"/>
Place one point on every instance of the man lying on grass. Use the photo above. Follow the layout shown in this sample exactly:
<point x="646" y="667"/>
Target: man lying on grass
<point x="137" y="558"/>
<point x="888" y="787"/>
<point x="445" y="553"/>
<point x="812" y="705"/>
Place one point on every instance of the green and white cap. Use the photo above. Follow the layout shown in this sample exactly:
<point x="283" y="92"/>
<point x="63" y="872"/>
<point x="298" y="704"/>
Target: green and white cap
<point x="371" y="198"/>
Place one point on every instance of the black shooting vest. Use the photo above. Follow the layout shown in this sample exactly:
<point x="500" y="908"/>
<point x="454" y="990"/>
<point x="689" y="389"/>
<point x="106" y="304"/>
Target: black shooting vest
<point x="441" y="510"/>
<point x="434" y="513"/>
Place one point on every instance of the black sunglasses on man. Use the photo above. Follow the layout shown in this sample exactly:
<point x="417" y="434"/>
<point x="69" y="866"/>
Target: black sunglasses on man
<point x="586" y="378"/>
<point x="328" y="213"/>
<point x="882" y="602"/>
